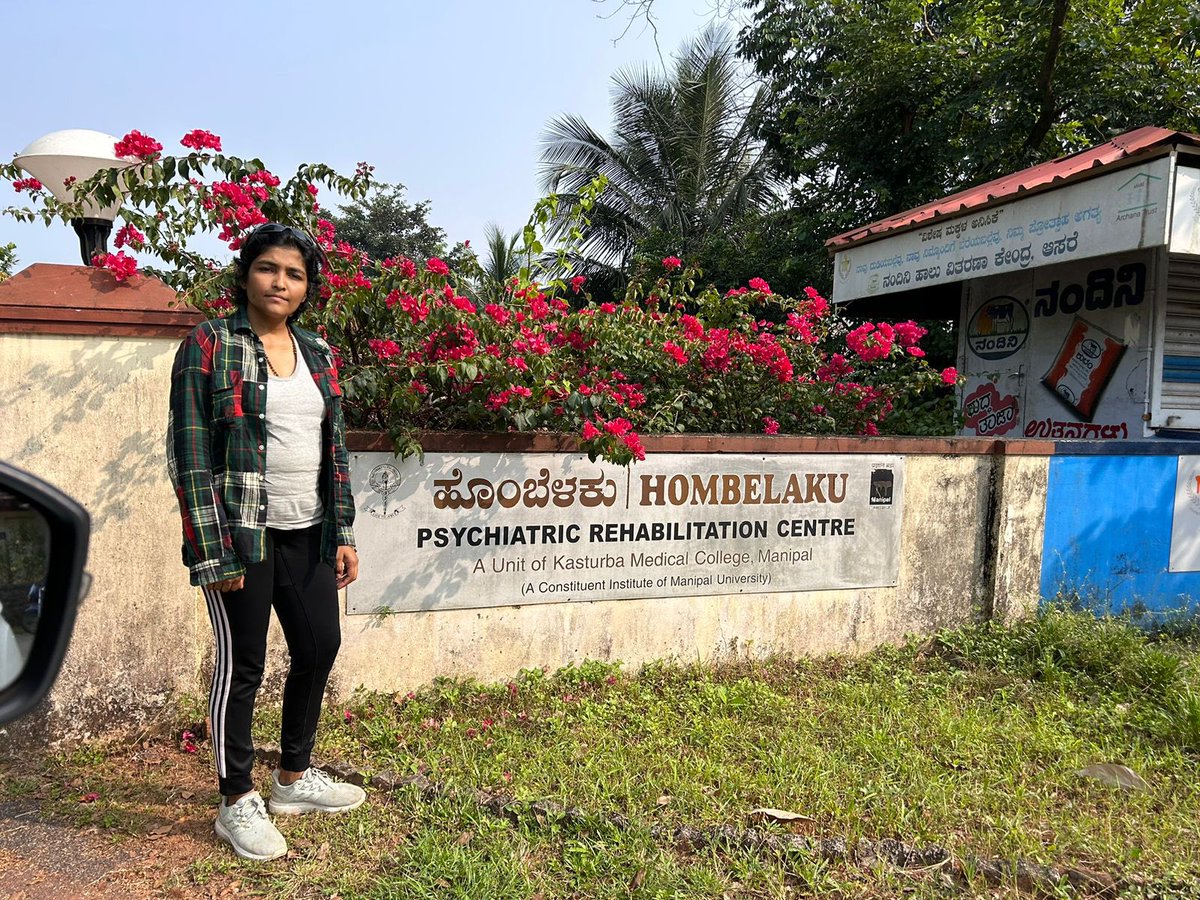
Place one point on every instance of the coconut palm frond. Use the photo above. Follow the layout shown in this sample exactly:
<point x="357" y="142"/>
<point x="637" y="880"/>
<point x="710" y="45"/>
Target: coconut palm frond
<point x="683" y="160"/>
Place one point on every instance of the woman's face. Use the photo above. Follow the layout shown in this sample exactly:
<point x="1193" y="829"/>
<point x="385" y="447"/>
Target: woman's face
<point x="276" y="283"/>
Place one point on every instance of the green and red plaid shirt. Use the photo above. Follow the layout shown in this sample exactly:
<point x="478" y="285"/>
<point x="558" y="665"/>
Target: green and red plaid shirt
<point x="216" y="447"/>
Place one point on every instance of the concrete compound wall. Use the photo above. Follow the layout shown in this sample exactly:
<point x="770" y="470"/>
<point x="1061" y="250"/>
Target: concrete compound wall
<point x="87" y="412"/>
<point x="957" y="505"/>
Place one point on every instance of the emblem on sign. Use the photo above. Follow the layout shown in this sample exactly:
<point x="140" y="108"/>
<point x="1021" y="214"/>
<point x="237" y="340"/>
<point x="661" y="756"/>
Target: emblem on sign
<point x="384" y="480"/>
<point x="1192" y="486"/>
<point x="999" y="328"/>
<point x="882" y="487"/>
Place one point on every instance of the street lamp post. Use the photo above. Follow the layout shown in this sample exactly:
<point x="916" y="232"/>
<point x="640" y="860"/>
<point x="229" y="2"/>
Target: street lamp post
<point x="61" y="158"/>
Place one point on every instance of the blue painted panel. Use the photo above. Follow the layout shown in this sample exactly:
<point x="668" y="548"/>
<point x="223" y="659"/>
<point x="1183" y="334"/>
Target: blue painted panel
<point x="1181" y="368"/>
<point x="1108" y="531"/>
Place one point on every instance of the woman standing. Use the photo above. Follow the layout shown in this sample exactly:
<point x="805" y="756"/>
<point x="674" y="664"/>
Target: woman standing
<point x="256" y="452"/>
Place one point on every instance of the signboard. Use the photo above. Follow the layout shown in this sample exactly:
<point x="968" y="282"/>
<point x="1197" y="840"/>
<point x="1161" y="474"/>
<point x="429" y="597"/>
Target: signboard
<point x="1059" y="352"/>
<point x="1185" y="218"/>
<point x="1124" y="210"/>
<point x="467" y="531"/>
<point x="1185" y="522"/>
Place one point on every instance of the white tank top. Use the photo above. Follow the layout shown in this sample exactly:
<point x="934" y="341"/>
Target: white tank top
<point x="294" y="412"/>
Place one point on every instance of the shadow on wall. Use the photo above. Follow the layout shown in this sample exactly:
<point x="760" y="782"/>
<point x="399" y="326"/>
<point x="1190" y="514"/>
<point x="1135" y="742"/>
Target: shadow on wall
<point x="82" y="396"/>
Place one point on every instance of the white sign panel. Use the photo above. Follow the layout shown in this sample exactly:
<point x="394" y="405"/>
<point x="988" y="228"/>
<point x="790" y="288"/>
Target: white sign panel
<point x="1185" y="219"/>
<point x="1185" y="523"/>
<point x="1059" y="352"/>
<point x="466" y="531"/>
<point x="1125" y="210"/>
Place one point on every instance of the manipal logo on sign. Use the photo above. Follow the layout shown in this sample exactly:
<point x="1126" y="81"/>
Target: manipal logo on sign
<point x="999" y="328"/>
<point x="882" y="487"/>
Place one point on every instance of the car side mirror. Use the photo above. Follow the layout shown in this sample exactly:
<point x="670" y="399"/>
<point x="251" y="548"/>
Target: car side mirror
<point x="43" y="547"/>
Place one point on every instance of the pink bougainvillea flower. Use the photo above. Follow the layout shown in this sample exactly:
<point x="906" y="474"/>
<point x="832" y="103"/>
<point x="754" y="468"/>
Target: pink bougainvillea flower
<point x="770" y="426"/>
<point x="871" y="342"/>
<point x="436" y="266"/>
<point x="950" y="375"/>
<point x="312" y="189"/>
<point x="119" y="264"/>
<point x="757" y="284"/>
<point x="676" y="353"/>
<point x="27" y="184"/>
<point x="590" y="431"/>
<point x="577" y="283"/>
<point x="139" y="145"/>
<point x="671" y="262"/>
<point x="128" y="235"/>
<point x="608" y="308"/>
<point x="498" y="313"/>
<point x="348" y="717"/>
<point x="199" y="139"/>
<point x="693" y="330"/>
<point x="908" y="333"/>
<point x="384" y="349"/>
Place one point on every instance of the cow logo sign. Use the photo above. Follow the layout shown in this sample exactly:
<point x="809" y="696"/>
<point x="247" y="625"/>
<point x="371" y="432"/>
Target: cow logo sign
<point x="999" y="328"/>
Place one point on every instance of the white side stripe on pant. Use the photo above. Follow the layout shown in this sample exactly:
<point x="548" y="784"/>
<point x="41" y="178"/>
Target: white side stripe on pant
<point x="218" y="696"/>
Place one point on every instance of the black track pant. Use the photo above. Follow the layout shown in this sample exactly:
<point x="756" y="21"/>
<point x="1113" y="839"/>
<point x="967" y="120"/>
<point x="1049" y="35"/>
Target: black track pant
<point x="292" y="579"/>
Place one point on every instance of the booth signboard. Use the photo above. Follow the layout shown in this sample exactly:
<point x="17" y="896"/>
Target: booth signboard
<point x="1059" y="351"/>
<point x="1185" y="522"/>
<point x="482" y="530"/>
<point x="1125" y="210"/>
<point x="1185" y="219"/>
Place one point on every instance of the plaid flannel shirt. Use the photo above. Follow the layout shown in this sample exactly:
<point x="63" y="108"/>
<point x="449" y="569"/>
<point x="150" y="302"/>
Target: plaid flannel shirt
<point x="216" y="447"/>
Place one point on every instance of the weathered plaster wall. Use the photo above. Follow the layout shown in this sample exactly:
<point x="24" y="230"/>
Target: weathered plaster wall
<point x="89" y="415"/>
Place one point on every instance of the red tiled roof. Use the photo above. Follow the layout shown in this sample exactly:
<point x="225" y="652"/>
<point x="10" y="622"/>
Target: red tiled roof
<point x="1073" y="167"/>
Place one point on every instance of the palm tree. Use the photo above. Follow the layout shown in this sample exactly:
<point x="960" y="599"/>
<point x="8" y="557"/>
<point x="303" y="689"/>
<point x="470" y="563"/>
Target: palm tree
<point x="684" y="164"/>
<point x="490" y="278"/>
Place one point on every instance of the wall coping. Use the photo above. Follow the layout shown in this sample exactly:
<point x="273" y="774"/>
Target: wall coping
<point x="55" y="299"/>
<point x="547" y="442"/>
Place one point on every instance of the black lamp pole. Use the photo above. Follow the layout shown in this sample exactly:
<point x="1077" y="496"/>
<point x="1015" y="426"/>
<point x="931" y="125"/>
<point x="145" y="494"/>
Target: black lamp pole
<point x="93" y="237"/>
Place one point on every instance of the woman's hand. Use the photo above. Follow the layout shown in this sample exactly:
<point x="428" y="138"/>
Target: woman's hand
<point x="229" y="584"/>
<point x="347" y="566"/>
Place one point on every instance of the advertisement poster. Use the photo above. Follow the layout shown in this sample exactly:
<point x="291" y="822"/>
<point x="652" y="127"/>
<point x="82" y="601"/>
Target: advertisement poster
<point x="1059" y="352"/>
<point x="1185" y="523"/>
<point x="1122" y="211"/>
<point x="482" y="530"/>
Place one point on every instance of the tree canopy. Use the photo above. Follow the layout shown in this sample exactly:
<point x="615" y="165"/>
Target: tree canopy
<point x="383" y="224"/>
<point x="882" y="105"/>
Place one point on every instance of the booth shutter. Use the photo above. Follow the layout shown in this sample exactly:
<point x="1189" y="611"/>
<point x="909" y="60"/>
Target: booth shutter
<point x="1180" y="392"/>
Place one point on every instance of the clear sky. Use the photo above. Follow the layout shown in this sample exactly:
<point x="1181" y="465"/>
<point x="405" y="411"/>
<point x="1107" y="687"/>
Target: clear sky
<point x="448" y="97"/>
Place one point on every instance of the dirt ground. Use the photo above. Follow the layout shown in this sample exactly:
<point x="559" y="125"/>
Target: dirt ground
<point x="59" y="841"/>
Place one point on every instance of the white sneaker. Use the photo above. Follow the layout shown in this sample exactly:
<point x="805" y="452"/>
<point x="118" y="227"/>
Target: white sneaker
<point x="246" y="828"/>
<point x="314" y="792"/>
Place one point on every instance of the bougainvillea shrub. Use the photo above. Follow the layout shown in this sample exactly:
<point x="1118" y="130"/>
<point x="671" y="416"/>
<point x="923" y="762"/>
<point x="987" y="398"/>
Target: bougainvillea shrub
<point x="419" y="351"/>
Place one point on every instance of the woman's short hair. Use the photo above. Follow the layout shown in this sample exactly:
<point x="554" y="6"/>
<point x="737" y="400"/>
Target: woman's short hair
<point x="273" y="234"/>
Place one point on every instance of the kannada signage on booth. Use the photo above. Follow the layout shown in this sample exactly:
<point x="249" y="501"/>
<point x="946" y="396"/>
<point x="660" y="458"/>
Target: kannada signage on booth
<point x="481" y="530"/>
<point x="1126" y="210"/>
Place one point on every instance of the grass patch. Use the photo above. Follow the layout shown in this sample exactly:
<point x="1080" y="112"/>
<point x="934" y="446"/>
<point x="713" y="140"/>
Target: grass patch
<point x="970" y="740"/>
